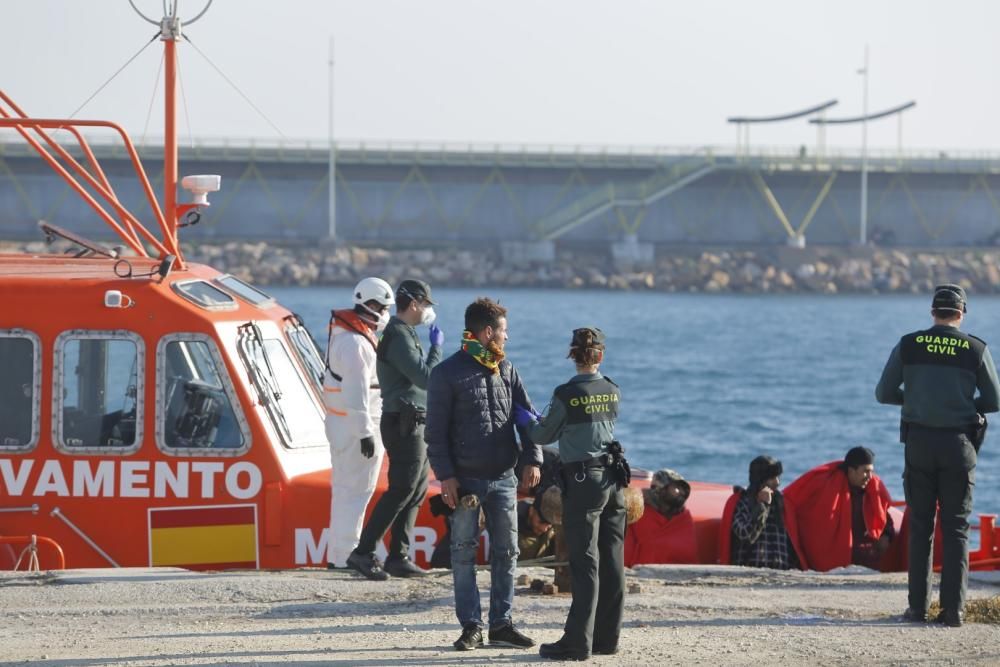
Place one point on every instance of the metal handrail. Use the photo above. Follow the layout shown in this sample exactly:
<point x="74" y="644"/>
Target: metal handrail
<point x="37" y="539"/>
<point x="513" y="151"/>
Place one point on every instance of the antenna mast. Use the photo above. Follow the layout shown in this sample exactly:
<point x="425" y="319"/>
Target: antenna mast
<point x="170" y="32"/>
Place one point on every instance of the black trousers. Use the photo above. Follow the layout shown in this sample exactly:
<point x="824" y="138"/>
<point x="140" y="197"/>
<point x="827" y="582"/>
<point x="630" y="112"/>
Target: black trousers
<point x="940" y="469"/>
<point x="397" y="508"/>
<point x="594" y="527"/>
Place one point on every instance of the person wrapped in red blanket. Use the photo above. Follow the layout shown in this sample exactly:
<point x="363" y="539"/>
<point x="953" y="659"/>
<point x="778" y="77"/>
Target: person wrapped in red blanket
<point x="665" y="532"/>
<point x="759" y="527"/>
<point x="843" y="512"/>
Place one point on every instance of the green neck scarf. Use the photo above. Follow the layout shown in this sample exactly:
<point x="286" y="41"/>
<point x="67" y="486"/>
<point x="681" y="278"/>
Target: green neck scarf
<point x="490" y="357"/>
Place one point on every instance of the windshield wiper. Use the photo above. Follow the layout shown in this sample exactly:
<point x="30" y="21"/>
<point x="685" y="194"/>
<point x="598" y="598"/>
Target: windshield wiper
<point x="89" y="247"/>
<point x="306" y="347"/>
<point x="267" y="385"/>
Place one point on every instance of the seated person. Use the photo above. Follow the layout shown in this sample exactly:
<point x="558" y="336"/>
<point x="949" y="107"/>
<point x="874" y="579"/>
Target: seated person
<point x="665" y="532"/>
<point x="758" y="526"/>
<point x="843" y="512"/>
<point x="535" y="534"/>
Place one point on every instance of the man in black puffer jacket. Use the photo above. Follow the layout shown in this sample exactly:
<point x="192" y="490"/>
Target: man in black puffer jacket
<point x="473" y="449"/>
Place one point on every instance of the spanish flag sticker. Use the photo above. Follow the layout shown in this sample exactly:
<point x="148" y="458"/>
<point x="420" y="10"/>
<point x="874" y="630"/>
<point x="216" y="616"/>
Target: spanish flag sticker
<point x="215" y="537"/>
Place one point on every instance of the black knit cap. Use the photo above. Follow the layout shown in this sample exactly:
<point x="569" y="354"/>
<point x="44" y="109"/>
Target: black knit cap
<point x="764" y="468"/>
<point x="859" y="456"/>
<point x="949" y="297"/>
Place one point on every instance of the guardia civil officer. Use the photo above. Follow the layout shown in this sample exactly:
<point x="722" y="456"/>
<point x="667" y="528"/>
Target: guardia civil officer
<point x="403" y="372"/>
<point x="935" y="375"/>
<point x="582" y="417"/>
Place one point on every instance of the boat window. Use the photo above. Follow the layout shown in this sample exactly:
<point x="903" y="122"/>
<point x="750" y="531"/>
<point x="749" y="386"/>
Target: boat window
<point x="20" y="386"/>
<point x="246" y="291"/>
<point x="197" y="408"/>
<point x="306" y="350"/>
<point x="281" y="389"/>
<point x="99" y="385"/>
<point x="205" y="294"/>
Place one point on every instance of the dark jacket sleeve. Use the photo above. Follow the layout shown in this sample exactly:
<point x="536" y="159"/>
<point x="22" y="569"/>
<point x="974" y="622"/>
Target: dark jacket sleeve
<point x="888" y="388"/>
<point x="436" y="432"/>
<point x="531" y="453"/>
<point x="986" y="381"/>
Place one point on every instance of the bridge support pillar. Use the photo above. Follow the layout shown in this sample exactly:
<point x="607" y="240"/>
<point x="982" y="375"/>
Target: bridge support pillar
<point x="796" y="241"/>
<point x="528" y="252"/>
<point x="630" y="251"/>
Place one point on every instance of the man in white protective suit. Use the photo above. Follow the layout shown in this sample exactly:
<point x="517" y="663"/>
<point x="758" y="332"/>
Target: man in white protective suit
<point x="353" y="410"/>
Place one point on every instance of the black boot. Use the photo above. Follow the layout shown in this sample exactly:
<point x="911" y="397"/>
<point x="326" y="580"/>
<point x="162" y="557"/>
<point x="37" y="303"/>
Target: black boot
<point x="559" y="651"/>
<point x="949" y="617"/>
<point x="402" y="566"/>
<point x="368" y="565"/>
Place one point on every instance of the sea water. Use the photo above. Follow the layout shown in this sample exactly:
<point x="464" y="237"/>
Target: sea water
<point x="710" y="381"/>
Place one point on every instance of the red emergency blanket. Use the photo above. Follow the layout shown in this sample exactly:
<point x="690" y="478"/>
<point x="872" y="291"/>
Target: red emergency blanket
<point x="822" y="498"/>
<point x="655" y="538"/>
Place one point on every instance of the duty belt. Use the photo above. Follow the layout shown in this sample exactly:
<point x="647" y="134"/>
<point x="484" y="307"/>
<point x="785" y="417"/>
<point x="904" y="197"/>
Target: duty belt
<point x="602" y="461"/>
<point x="613" y="461"/>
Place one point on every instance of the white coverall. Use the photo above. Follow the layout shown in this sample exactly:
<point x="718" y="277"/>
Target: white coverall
<point x="353" y="412"/>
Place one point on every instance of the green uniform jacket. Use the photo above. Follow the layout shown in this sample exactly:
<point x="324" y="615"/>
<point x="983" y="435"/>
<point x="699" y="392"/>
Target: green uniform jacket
<point x="935" y="374"/>
<point x="581" y="416"/>
<point x="402" y="371"/>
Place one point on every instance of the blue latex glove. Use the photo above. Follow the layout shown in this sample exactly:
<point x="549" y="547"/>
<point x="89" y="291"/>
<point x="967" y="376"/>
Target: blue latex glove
<point x="523" y="416"/>
<point x="436" y="335"/>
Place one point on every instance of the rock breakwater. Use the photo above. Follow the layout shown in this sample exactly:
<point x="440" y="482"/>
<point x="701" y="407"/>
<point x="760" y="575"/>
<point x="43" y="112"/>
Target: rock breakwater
<point x="776" y="269"/>
<point x="760" y="270"/>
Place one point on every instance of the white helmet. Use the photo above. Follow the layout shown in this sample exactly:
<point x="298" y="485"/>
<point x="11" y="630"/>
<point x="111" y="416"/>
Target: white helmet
<point x="373" y="289"/>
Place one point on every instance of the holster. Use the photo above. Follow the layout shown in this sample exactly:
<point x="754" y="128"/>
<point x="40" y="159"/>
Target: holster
<point x="410" y="416"/>
<point x="978" y="434"/>
<point x="618" y="464"/>
<point x="613" y="461"/>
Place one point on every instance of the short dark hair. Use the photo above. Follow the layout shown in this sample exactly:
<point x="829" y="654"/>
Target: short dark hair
<point x="859" y="456"/>
<point x="946" y="314"/>
<point x="482" y="313"/>
<point x="402" y="302"/>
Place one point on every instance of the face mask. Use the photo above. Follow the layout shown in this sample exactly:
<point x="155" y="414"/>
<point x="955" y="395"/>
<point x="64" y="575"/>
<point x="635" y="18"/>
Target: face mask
<point x="428" y="315"/>
<point x="380" y="319"/>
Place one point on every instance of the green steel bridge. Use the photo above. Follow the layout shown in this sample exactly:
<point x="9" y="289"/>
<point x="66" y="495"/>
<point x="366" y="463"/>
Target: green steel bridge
<point x="472" y="193"/>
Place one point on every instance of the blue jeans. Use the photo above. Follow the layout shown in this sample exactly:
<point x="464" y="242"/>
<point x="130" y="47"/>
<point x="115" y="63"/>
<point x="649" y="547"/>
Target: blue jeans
<point x="498" y="499"/>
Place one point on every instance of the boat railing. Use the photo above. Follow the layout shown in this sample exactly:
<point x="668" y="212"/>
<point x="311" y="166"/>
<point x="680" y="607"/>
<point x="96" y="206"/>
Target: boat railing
<point x="127" y="226"/>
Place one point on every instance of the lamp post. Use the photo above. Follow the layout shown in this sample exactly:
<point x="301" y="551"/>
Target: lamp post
<point x="332" y="203"/>
<point x="864" y="152"/>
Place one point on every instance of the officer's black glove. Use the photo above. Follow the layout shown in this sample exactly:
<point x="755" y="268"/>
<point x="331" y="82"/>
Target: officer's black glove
<point x="368" y="447"/>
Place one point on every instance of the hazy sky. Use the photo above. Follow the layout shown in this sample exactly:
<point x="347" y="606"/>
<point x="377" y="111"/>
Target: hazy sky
<point x="535" y="71"/>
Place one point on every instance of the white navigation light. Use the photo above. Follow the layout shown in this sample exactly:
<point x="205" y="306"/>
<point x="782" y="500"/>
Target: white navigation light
<point x="201" y="185"/>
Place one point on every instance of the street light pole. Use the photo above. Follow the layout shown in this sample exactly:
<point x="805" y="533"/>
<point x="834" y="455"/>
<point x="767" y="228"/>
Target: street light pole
<point x="332" y="203"/>
<point x="864" y="153"/>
